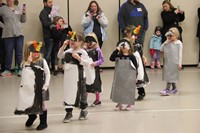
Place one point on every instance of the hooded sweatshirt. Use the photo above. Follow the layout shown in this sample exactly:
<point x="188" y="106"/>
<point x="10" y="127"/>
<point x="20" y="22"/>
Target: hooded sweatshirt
<point x="133" y="14"/>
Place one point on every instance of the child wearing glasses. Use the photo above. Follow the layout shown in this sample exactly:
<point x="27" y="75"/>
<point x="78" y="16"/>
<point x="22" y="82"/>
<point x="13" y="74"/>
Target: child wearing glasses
<point x="172" y="49"/>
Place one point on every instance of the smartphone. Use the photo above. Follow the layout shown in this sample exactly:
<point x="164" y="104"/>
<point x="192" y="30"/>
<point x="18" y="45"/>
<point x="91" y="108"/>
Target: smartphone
<point x="91" y="11"/>
<point x="178" y="8"/>
<point x="24" y="6"/>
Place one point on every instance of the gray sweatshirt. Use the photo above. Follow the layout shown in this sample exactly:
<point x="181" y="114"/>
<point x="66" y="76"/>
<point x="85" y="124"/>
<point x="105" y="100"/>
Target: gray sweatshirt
<point x="12" y="26"/>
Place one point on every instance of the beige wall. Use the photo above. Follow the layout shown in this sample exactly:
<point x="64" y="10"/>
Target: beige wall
<point x="32" y="28"/>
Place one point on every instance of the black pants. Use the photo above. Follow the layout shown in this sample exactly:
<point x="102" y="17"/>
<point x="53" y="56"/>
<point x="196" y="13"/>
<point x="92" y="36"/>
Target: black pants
<point x="199" y="49"/>
<point x="49" y="53"/>
<point x="81" y="99"/>
<point x="100" y="42"/>
<point x="2" y="55"/>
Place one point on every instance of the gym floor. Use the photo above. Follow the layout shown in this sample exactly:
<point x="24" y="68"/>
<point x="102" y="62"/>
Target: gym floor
<point x="177" y="113"/>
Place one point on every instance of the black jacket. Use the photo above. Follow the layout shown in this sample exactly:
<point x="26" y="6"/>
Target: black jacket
<point x="46" y="22"/>
<point x="171" y="19"/>
<point x="60" y="35"/>
<point x="118" y="54"/>
<point x="198" y="28"/>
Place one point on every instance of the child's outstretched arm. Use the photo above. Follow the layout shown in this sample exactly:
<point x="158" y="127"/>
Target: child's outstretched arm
<point x="61" y="53"/>
<point x="76" y="56"/>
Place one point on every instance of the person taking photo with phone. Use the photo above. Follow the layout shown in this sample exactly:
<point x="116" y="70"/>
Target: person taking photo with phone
<point x="13" y="35"/>
<point x="94" y="20"/>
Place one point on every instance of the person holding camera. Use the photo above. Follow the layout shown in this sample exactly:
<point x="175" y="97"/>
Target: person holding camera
<point x="45" y="19"/>
<point x="198" y="34"/>
<point x="172" y="49"/>
<point x="1" y="43"/>
<point x="13" y="17"/>
<point x="171" y="17"/>
<point x="94" y="20"/>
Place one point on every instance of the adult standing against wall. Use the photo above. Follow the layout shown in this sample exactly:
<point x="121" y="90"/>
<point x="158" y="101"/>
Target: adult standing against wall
<point x="198" y="34"/>
<point x="2" y="58"/>
<point x="13" y="18"/>
<point x="133" y="12"/>
<point x="171" y="17"/>
<point x="45" y="18"/>
<point x="94" y="20"/>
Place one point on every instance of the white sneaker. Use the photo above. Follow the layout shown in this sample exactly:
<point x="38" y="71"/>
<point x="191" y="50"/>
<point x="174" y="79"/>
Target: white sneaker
<point x="6" y="74"/>
<point x="198" y="66"/>
<point x="129" y="107"/>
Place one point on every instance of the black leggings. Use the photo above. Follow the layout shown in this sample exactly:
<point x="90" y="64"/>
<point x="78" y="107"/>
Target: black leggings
<point x="199" y="49"/>
<point x="168" y="86"/>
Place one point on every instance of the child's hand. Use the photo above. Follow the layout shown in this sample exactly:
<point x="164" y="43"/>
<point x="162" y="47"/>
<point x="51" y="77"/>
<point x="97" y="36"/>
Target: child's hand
<point x="167" y="41"/>
<point x="152" y="52"/>
<point x="76" y="56"/>
<point x="65" y="43"/>
<point x="132" y="39"/>
<point x="179" y="66"/>
<point x="118" y="48"/>
<point x="30" y="59"/>
<point x="93" y="64"/>
<point x="144" y="60"/>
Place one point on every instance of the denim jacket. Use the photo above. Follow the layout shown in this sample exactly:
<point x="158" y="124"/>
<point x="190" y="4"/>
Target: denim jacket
<point x="155" y="42"/>
<point x="88" y="25"/>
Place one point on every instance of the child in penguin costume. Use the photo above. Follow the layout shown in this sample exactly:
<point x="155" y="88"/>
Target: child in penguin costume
<point x="33" y="89"/>
<point x="94" y="51"/>
<point x="125" y="75"/>
<point x="77" y="72"/>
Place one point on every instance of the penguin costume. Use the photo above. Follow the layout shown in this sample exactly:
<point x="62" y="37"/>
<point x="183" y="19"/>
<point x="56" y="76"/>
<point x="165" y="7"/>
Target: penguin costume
<point x="125" y="74"/>
<point x="33" y="89"/>
<point x="76" y="74"/>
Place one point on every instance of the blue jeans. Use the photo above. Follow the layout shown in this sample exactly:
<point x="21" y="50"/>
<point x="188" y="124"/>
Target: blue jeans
<point x="10" y="44"/>
<point x="2" y="55"/>
<point x="49" y="55"/>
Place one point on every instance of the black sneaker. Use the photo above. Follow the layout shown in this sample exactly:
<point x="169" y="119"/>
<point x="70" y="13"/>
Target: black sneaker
<point x="96" y="103"/>
<point x="68" y="117"/>
<point x="140" y="97"/>
<point x="83" y="114"/>
<point x="55" y="73"/>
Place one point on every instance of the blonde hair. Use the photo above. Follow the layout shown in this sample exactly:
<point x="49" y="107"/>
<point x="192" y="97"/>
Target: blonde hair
<point x="175" y="31"/>
<point x="92" y="34"/>
<point x="27" y="52"/>
<point x="129" y="29"/>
